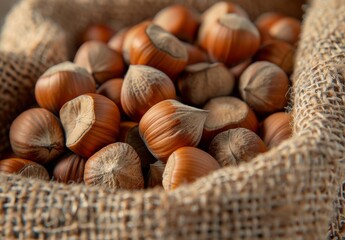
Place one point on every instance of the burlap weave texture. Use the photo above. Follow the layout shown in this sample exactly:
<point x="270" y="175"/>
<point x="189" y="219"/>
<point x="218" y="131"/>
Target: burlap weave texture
<point x="286" y="193"/>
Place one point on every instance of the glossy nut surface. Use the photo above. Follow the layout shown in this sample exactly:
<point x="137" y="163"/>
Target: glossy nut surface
<point x="37" y="135"/>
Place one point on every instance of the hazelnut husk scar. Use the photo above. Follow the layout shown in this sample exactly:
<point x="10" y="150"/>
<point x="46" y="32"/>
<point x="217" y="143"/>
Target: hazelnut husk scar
<point x="115" y="166"/>
<point x="90" y="121"/>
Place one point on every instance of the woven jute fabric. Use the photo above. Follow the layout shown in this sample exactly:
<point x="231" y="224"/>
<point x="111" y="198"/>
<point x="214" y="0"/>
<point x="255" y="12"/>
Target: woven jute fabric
<point x="287" y="193"/>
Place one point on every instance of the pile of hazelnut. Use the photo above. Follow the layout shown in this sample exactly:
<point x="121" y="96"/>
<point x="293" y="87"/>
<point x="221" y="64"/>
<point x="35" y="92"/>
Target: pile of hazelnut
<point x="161" y="103"/>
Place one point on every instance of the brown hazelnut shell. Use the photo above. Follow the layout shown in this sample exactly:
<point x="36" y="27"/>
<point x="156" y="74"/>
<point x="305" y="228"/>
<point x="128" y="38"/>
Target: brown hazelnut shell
<point x="227" y="113"/>
<point x="98" y="32"/>
<point x="203" y="81"/>
<point x="130" y="36"/>
<point x="116" y="42"/>
<point x="157" y="48"/>
<point x="213" y="13"/>
<point x="169" y="125"/>
<point x="235" y="146"/>
<point x="24" y="168"/>
<point x="61" y="83"/>
<point x="143" y="87"/>
<point x="90" y="121"/>
<point x="112" y="90"/>
<point x="115" y="166"/>
<point x="231" y="40"/>
<point x="264" y="86"/>
<point x="264" y="22"/>
<point x="286" y="29"/>
<point x="102" y="62"/>
<point x="276" y="128"/>
<point x="195" y="54"/>
<point x="36" y="134"/>
<point x="69" y="169"/>
<point x="185" y="22"/>
<point x="185" y="165"/>
<point x="129" y="133"/>
<point x="278" y="52"/>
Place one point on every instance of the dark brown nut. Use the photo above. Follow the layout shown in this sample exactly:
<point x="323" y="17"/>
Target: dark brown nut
<point x="102" y="62"/>
<point x="112" y="90"/>
<point x="185" y="165"/>
<point x="286" y="29"/>
<point x="98" y="32"/>
<point x="69" y="169"/>
<point x="37" y="135"/>
<point x="62" y="83"/>
<point x="129" y="133"/>
<point x="169" y="125"/>
<point x="264" y="22"/>
<point x="231" y="40"/>
<point x="24" y="168"/>
<point x="195" y="54"/>
<point x="276" y="128"/>
<point x="157" y="48"/>
<point x="179" y="20"/>
<point x="155" y="175"/>
<point x="278" y="52"/>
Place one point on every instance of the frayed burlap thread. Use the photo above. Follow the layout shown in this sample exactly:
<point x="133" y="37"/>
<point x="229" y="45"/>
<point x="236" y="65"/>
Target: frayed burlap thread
<point x="286" y="193"/>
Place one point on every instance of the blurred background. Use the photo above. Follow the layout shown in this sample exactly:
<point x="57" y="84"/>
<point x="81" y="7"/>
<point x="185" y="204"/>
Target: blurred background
<point x="5" y="6"/>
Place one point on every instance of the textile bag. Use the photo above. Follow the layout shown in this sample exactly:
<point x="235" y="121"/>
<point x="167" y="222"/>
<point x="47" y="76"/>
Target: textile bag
<point x="287" y="193"/>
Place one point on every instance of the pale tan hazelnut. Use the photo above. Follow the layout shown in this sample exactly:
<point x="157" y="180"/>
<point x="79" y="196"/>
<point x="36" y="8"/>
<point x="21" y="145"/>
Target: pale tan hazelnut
<point x="264" y="86"/>
<point x="115" y="166"/>
<point x="235" y="146"/>
<point x="202" y="81"/>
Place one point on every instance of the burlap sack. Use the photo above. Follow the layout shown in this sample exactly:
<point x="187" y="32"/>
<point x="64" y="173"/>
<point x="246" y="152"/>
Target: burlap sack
<point x="286" y="193"/>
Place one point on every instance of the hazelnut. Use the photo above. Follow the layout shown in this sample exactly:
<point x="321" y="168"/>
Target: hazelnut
<point x="129" y="133"/>
<point x="213" y="13"/>
<point x="179" y="20"/>
<point x="264" y="86"/>
<point x="157" y="48"/>
<point x="69" y="169"/>
<point x="90" y="121"/>
<point x="62" y="83"/>
<point x="112" y="90"/>
<point x="231" y="40"/>
<point x="203" y="81"/>
<point x="234" y="146"/>
<point x="155" y="175"/>
<point x="129" y="37"/>
<point x="185" y="165"/>
<point x="142" y="88"/>
<point x="98" y="32"/>
<point x="169" y="125"/>
<point x="227" y="113"/>
<point x="115" y="166"/>
<point x="116" y="42"/>
<point x="36" y="134"/>
<point x="286" y="29"/>
<point x="24" y="168"/>
<point x="276" y="128"/>
<point x="100" y="61"/>
<point x="195" y="54"/>
<point x="278" y="52"/>
<point x="265" y="21"/>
